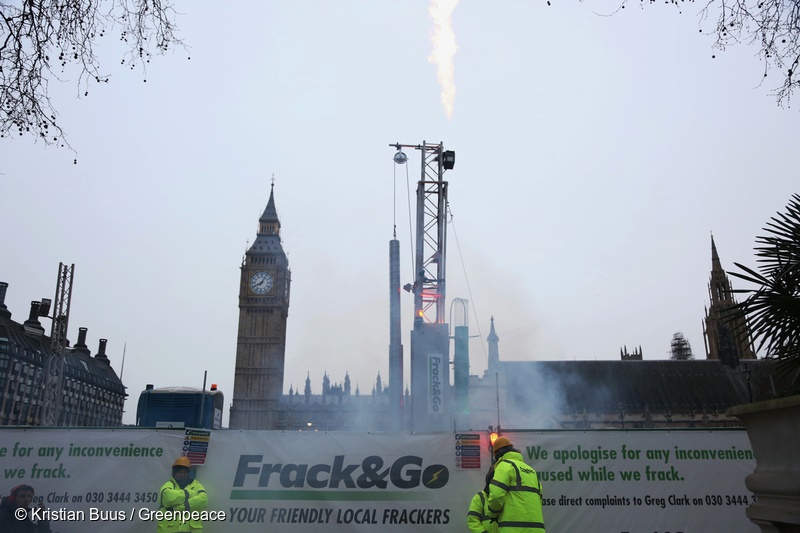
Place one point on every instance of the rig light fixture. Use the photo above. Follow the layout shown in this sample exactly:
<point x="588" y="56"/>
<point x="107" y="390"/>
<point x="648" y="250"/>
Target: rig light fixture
<point x="448" y="159"/>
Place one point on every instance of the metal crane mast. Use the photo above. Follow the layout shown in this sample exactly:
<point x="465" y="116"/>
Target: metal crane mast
<point x="430" y="261"/>
<point x="431" y="234"/>
<point x="430" y="378"/>
<point x="54" y="379"/>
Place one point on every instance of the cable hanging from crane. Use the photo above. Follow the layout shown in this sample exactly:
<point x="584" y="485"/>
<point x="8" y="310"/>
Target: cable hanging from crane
<point x="400" y="158"/>
<point x="451" y="221"/>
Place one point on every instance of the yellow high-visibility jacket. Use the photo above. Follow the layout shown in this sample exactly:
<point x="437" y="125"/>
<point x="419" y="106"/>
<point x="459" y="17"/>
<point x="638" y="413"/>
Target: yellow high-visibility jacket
<point x="515" y="496"/>
<point x="173" y="498"/>
<point x="477" y="519"/>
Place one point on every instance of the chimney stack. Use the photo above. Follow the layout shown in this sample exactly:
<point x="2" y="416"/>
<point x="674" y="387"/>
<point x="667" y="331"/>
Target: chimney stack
<point x="34" y="314"/>
<point x="32" y="325"/>
<point x="101" y="352"/>
<point x="80" y="346"/>
<point x="4" y="312"/>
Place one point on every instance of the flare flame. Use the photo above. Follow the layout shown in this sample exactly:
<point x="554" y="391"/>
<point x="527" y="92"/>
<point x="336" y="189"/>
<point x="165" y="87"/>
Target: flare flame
<point x="443" y="39"/>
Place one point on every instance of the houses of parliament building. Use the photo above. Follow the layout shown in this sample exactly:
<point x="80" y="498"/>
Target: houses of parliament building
<point x="630" y="393"/>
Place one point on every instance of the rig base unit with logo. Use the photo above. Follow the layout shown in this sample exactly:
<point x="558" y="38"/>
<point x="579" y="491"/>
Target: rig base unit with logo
<point x="430" y="377"/>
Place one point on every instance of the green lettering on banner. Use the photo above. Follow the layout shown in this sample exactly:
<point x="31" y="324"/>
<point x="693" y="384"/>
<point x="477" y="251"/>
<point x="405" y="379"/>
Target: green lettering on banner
<point x="50" y="451"/>
<point x="536" y="453"/>
<point x="630" y="475"/>
<point x="731" y="454"/>
<point x="628" y="453"/>
<point x="566" y="475"/>
<point x="76" y="450"/>
<point x="599" y="472"/>
<point x="658" y="455"/>
<point x="38" y="472"/>
<point x="14" y="473"/>
<point x="596" y="474"/>
<point x="21" y="451"/>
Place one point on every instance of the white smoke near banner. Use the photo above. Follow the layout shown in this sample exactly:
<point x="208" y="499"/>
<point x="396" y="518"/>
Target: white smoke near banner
<point x="443" y="39"/>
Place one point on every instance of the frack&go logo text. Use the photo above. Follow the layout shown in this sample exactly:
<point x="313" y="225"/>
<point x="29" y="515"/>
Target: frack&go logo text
<point x="405" y="472"/>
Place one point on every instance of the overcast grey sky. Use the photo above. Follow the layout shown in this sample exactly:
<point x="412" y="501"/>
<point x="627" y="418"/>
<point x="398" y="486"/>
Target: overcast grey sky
<point x="594" y="157"/>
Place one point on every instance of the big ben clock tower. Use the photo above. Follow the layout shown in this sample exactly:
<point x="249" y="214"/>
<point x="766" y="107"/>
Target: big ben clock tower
<point x="263" y="309"/>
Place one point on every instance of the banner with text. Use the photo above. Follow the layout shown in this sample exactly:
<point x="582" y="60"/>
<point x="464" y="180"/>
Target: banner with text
<point x="602" y="481"/>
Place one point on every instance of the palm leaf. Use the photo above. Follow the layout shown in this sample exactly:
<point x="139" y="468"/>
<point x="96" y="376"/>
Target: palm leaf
<point x="772" y="305"/>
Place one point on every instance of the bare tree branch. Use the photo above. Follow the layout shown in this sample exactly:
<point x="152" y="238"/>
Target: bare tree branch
<point x="771" y="25"/>
<point x="41" y="40"/>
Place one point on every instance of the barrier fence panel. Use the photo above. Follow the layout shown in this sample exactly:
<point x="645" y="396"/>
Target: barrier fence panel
<point x="607" y="481"/>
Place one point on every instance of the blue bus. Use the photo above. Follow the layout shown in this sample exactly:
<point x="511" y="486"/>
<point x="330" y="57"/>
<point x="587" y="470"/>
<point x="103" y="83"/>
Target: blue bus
<point x="180" y="407"/>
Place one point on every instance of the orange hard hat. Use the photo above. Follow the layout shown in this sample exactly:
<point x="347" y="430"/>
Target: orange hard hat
<point x="182" y="461"/>
<point x="501" y="442"/>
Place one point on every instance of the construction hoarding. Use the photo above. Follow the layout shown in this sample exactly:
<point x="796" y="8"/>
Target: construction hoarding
<point x="601" y="481"/>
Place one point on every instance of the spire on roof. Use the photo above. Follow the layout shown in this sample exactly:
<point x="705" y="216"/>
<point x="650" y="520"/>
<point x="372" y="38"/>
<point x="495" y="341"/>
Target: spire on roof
<point x="270" y="213"/>
<point x="715" y="263"/>
<point x="728" y="338"/>
<point x="720" y="289"/>
<point x="494" y="352"/>
<point x="492" y="334"/>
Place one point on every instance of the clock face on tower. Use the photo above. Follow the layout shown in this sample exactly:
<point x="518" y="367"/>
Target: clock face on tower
<point x="261" y="282"/>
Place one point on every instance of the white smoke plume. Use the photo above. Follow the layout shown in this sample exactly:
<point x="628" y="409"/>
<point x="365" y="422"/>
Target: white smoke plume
<point x="443" y="39"/>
